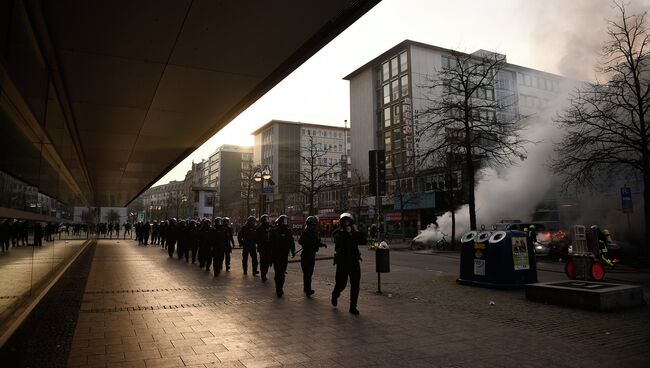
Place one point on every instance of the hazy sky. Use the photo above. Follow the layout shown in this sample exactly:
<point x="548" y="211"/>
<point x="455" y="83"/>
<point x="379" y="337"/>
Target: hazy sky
<point x="557" y="36"/>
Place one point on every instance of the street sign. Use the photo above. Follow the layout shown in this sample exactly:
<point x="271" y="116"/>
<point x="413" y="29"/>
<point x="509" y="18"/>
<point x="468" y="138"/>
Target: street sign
<point x="268" y="190"/>
<point x="377" y="168"/>
<point x="626" y="200"/>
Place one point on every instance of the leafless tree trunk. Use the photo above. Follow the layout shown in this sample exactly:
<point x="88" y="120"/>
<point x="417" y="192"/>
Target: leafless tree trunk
<point x="606" y="123"/>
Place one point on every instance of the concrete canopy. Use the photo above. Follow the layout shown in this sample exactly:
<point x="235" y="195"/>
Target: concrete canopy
<point x="148" y="81"/>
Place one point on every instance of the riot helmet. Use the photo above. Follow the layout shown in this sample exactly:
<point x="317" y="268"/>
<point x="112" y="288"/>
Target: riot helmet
<point x="282" y="220"/>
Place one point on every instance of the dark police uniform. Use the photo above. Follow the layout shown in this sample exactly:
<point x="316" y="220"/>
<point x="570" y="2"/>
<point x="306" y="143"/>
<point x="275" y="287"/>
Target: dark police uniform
<point x="310" y="242"/>
<point x="246" y="238"/>
<point x="283" y="243"/>
<point x="347" y="260"/>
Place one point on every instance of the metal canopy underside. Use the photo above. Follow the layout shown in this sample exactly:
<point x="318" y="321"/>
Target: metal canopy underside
<point x="147" y="82"/>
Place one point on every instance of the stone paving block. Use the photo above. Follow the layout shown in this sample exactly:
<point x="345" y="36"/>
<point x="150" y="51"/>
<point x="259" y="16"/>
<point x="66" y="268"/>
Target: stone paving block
<point x="173" y="352"/>
<point x="231" y="355"/>
<point x="260" y="363"/>
<point x="164" y="362"/>
<point x="209" y="348"/>
<point x="141" y="355"/>
<point x="200" y="359"/>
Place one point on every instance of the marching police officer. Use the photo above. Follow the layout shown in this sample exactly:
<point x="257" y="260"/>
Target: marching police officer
<point x="171" y="237"/>
<point x="283" y="244"/>
<point x="347" y="258"/>
<point x="220" y="245"/>
<point x="205" y="248"/>
<point x="310" y="241"/>
<point x="246" y="238"/>
<point x="230" y="240"/>
<point x="264" y="247"/>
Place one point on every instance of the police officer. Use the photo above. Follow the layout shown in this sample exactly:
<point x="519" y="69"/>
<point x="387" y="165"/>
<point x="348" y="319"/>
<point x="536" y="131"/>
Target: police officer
<point x="146" y="230"/>
<point x="171" y="237"/>
<point x="220" y="244"/>
<point x="230" y="240"/>
<point x="347" y="258"/>
<point x="246" y="239"/>
<point x="283" y="244"/>
<point x="205" y="249"/>
<point x="154" y="232"/>
<point x="310" y="241"/>
<point x="264" y="247"/>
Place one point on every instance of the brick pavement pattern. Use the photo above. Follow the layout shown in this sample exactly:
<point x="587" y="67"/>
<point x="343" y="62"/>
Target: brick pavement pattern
<point x="143" y="309"/>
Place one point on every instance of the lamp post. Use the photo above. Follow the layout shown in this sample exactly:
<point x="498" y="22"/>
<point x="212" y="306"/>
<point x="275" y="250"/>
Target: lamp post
<point x="261" y="177"/>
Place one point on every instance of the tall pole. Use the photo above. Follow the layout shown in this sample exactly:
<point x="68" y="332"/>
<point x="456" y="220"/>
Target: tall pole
<point x="261" y="197"/>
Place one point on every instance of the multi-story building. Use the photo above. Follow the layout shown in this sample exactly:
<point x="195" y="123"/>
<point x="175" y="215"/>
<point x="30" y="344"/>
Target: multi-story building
<point x="386" y="96"/>
<point x="165" y="201"/>
<point x="227" y="169"/>
<point x="298" y="154"/>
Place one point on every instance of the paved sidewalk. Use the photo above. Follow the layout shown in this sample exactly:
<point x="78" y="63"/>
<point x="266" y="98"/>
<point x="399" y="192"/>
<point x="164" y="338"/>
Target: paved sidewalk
<point x="142" y="309"/>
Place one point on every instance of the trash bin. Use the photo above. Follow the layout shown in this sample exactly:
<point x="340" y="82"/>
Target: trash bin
<point x="382" y="260"/>
<point x="467" y="255"/>
<point x="504" y="260"/>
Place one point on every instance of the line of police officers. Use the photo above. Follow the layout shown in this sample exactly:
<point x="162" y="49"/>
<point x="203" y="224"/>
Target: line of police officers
<point x="212" y="244"/>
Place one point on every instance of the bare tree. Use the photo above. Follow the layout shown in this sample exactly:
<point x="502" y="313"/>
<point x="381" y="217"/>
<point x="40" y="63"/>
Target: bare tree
<point x="606" y="123"/>
<point x="112" y="216"/>
<point x="462" y="102"/>
<point x="316" y="173"/>
<point x="249" y="185"/>
<point x="358" y="192"/>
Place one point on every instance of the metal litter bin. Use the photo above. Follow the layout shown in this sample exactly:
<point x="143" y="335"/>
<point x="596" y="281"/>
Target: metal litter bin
<point x="382" y="260"/>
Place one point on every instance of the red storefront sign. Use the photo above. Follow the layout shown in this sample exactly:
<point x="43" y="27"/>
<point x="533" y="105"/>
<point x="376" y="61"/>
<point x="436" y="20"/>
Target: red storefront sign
<point x="406" y="216"/>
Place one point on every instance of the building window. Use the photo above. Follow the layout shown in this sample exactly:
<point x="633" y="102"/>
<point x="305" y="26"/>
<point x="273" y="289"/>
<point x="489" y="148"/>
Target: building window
<point x="387" y="141"/>
<point x="397" y="116"/>
<point x="387" y="119"/>
<point x="404" y="81"/>
<point x="386" y="91"/>
<point x="394" y="87"/>
<point x="403" y="62"/>
<point x="393" y="67"/>
<point x="385" y="72"/>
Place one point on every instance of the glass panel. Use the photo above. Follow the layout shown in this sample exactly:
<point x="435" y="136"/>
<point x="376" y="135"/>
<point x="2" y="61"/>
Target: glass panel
<point x="403" y="62"/>
<point x="385" y="72"/>
<point x="394" y="87"/>
<point x="397" y="115"/>
<point x="386" y="91"/>
<point x="393" y="67"/>
<point x="404" y="81"/>
<point x="387" y="118"/>
<point x="387" y="141"/>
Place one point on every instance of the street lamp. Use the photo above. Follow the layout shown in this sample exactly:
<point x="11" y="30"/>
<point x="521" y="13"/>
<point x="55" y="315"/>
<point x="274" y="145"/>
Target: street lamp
<point x="261" y="177"/>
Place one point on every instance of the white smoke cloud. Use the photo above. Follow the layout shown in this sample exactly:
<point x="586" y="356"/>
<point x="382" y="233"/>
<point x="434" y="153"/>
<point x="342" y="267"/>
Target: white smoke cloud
<point x="512" y="192"/>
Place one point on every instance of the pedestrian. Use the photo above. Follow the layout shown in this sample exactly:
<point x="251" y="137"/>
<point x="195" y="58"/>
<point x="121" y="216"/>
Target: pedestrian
<point x="311" y="242"/>
<point x="38" y="235"/>
<point x="205" y="253"/>
<point x="219" y="245"/>
<point x="171" y="237"/>
<point x="264" y="247"/>
<point x="246" y="239"/>
<point x="283" y="244"/>
<point x="347" y="259"/>
<point x="230" y="243"/>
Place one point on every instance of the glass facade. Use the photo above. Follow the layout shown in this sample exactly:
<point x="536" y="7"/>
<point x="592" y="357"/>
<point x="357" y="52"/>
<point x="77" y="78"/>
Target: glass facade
<point x="395" y="113"/>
